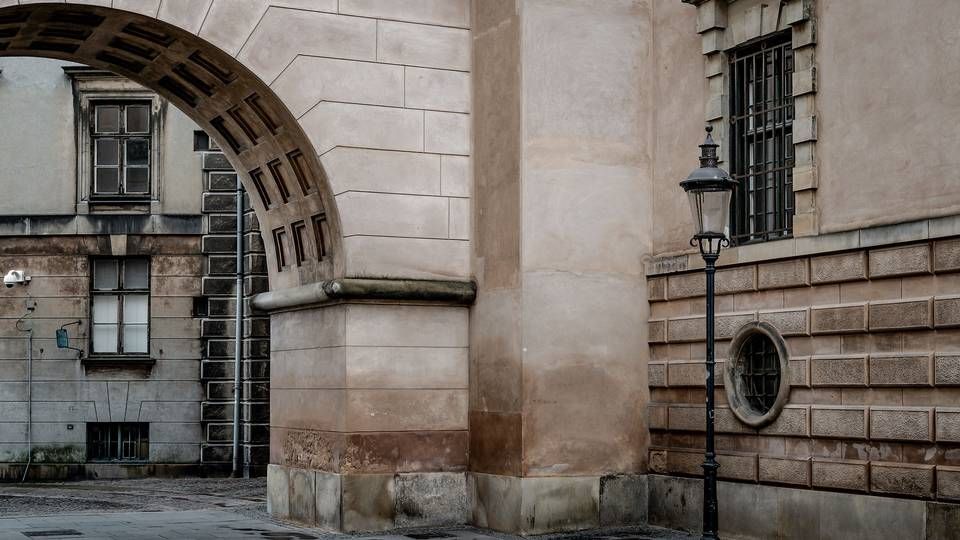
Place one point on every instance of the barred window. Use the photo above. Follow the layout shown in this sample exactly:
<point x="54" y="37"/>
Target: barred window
<point x="121" y="137"/>
<point x="120" y="306"/>
<point x="761" y="139"/>
<point x="118" y="441"/>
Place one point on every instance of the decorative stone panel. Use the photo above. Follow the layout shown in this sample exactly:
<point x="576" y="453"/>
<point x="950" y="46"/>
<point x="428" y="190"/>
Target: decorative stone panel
<point x="946" y="255"/>
<point x="838" y="371"/>
<point x="901" y="478"/>
<point x="656" y="289"/>
<point x="658" y="461"/>
<point x="899" y="261"/>
<point x="726" y="325"/>
<point x="686" y="418"/>
<point x="901" y="370"/>
<point x="901" y="423"/>
<point x="840" y="422"/>
<point x="737" y="279"/>
<point x="948" y="425"/>
<point x="838" y="268"/>
<point x="686" y="462"/>
<point x="794" y="421"/>
<point x="692" y="373"/>
<point x="946" y="370"/>
<point x="684" y="329"/>
<point x="948" y="482"/>
<point x="781" y="275"/>
<point x="725" y="421"/>
<point x="686" y="285"/>
<point x="791" y="471"/>
<point x="737" y="466"/>
<point x="799" y="372"/>
<point x="657" y="416"/>
<point x="848" y="475"/>
<point x="901" y="315"/>
<point x="657" y="375"/>
<point x="790" y="322"/>
<point x="657" y="331"/>
<point x="946" y="311"/>
<point x="838" y="319"/>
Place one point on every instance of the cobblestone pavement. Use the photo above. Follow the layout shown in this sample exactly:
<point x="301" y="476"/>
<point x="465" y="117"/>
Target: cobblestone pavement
<point x="198" y="509"/>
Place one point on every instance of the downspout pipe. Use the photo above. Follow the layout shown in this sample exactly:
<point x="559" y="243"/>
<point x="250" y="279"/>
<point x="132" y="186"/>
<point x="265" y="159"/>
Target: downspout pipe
<point x="238" y="342"/>
<point x="31" y="305"/>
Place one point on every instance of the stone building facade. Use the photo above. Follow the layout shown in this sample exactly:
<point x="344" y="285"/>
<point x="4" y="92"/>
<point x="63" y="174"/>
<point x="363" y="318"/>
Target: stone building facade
<point x="483" y="304"/>
<point x="117" y="403"/>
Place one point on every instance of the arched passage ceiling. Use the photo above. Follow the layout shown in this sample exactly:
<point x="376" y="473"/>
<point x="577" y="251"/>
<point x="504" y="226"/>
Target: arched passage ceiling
<point x="261" y="138"/>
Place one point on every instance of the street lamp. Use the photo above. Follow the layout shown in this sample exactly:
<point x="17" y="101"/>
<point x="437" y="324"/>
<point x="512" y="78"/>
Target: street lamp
<point x="709" y="189"/>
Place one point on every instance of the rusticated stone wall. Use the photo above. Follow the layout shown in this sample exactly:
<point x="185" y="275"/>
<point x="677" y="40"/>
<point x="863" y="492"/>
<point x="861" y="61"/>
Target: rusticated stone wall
<point x="874" y="343"/>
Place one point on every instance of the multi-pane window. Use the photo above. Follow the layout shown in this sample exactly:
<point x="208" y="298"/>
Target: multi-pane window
<point x="121" y="138"/>
<point x="761" y="141"/>
<point x="118" y="441"/>
<point x="120" y="306"/>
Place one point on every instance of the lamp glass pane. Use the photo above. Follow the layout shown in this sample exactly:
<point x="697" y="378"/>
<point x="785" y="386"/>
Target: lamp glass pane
<point x="711" y="211"/>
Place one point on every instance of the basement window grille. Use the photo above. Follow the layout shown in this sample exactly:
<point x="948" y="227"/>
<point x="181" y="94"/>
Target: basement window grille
<point x="118" y="441"/>
<point x="761" y="139"/>
<point x="761" y="373"/>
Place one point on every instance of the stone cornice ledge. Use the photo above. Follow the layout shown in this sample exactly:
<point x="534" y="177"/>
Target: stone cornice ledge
<point x="344" y="289"/>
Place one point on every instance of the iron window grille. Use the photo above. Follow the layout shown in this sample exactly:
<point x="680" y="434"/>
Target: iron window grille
<point x="118" y="441"/>
<point x="761" y="141"/>
<point x="121" y="139"/>
<point x="761" y="373"/>
<point x="120" y="307"/>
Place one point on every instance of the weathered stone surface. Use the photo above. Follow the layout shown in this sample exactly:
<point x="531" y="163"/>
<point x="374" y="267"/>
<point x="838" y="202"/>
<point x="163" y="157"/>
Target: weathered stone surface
<point x="686" y="462"/>
<point x="623" y="500"/>
<point x="303" y="499"/>
<point x="838" y="422"/>
<point x="737" y="466"/>
<point x="946" y="255"/>
<point x="278" y="491"/>
<point x="948" y="482"/>
<point x="686" y="374"/>
<point x="368" y="501"/>
<point x="848" y="475"/>
<point x="908" y="315"/>
<point x="799" y="371"/>
<point x="901" y="423"/>
<point x="779" y="275"/>
<point x="737" y="279"/>
<point x="899" y="261"/>
<point x="838" y="268"/>
<point x="727" y="325"/>
<point x="790" y="322"/>
<point x="838" y="371"/>
<point x="946" y="311"/>
<point x="794" y="421"/>
<point x="656" y="289"/>
<point x="658" y="461"/>
<point x="328" y="500"/>
<point x="560" y="503"/>
<point x="657" y="331"/>
<point x="791" y="471"/>
<point x="687" y="418"/>
<point x="901" y="478"/>
<point x="725" y="421"/>
<point x="684" y="329"/>
<point x="901" y="370"/>
<point x="431" y="499"/>
<point x="686" y="285"/>
<point x="657" y="416"/>
<point x="838" y="319"/>
<point x="946" y="371"/>
<point x="657" y="374"/>
<point x="948" y="424"/>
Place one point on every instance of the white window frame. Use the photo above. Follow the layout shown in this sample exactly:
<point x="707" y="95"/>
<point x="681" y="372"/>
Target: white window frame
<point x="121" y="292"/>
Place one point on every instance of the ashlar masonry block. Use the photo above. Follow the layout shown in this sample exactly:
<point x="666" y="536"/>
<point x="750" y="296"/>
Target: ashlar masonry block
<point x="838" y="371"/>
<point x="790" y="322"/>
<point x="799" y="371"/>
<point x="901" y="315"/>
<point x="946" y="255"/>
<point x="726" y="325"/>
<point x="686" y="462"/>
<point x="737" y="279"/>
<point x="948" y="424"/>
<point x="838" y="422"/>
<point x="686" y="329"/>
<point x="901" y="423"/>
<point x="899" y="261"/>
<point x="791" y="471"/>
<point x="657" y="331"/>
<point x="901" y="370"/>
<point x="738" y="466"/>
<point x="794" y="421"/>
<point x="946" y="311"/>
<point x="686" y="285"/>
<point x="838" y="319"/>
<point x="686" y="373"/>
<point x="779" y="275"/>
<point x="835" y="474"/>
<point x="656" y="289"/>
<point x="657" y="375"/>
<point x="948" y="482"/>
<point x="901" y="478"/>
<point x="657" y="416"/>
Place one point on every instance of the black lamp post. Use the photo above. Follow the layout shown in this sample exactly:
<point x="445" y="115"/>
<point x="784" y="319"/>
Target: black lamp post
<point x="709" y="189"/>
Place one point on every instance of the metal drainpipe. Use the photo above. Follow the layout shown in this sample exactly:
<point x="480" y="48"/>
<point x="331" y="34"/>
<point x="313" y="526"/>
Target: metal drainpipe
<point x="30" y="307"/>
<point x="238" y="340"/>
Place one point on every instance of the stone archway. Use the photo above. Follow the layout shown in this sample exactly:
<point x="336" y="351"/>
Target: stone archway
<point x="368" y="376"/>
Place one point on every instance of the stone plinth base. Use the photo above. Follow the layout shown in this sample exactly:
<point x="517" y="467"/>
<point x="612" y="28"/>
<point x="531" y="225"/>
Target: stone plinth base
<point x="554" y="504"/>
<point x="758" y="511"/>
<point x="366" y="502"/>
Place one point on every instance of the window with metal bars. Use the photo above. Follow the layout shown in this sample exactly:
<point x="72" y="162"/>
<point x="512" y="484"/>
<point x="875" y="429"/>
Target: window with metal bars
<point x="761" y="373"/>
<point x="118" y="441"/>
<point x="761" y="139"/>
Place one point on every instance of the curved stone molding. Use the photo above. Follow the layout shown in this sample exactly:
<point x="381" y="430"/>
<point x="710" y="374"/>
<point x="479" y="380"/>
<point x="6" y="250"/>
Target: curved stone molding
<point x="732" y="369"/>
<point x="325" y="292"/>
